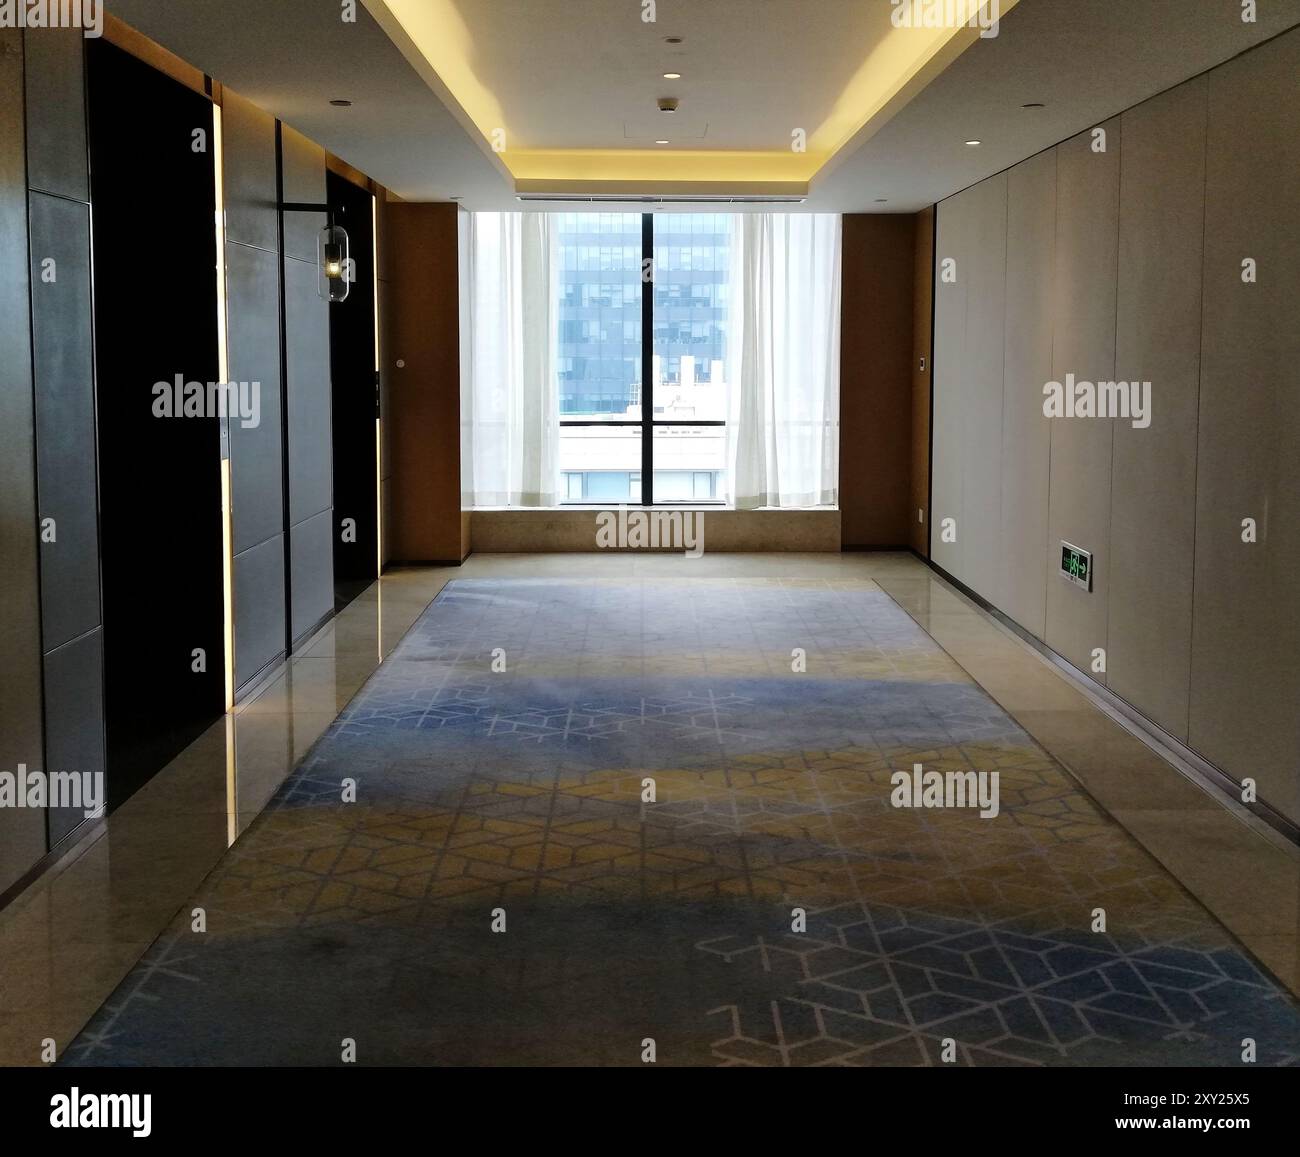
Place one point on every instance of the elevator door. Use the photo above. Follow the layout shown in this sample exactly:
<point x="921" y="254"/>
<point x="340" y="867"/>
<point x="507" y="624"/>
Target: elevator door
<point x="154" y="267"/>
<point x="352" y="371"/>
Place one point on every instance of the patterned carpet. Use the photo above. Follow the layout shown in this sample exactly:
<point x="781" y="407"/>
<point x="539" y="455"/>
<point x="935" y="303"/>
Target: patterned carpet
<point x="521" y="790"/>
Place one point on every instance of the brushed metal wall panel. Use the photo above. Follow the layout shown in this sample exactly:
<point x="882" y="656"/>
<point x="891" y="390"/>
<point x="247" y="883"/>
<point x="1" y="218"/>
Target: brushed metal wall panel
<point x="259" y="608"/>
<point x="1027" y="365"/>
<point x="248" y="152"/>
<point x="74" y="718"/>
<point x="1158" y="339"/>
<point x="253" y="313"/>
<point x="56" y="112"/>
<point x="1083" y="344"/>
<point x="304" y="181"/>
<point x="22" y="830"/>
<point x="308" y="393"/>
<point x="1246" y="607"/>
<point x="312" y="569"/>
<point x="63" y="365"/>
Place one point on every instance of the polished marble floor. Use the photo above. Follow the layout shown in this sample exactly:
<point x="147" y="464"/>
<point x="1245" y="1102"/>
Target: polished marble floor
<point x="69" y="942"/>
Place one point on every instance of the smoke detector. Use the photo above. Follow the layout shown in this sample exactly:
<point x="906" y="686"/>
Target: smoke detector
<point x="667" y="104"/>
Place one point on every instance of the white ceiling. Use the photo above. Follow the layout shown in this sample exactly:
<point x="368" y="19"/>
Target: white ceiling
<point x="569" y="74"/>
<point x="1085" y="59"/>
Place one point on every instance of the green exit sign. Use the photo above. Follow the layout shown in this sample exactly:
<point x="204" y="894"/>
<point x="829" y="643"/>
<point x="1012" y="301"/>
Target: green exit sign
<point x="1076" y="565"/>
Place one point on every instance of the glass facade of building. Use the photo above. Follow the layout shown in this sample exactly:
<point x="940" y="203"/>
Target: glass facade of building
<point x="599" y="354"/>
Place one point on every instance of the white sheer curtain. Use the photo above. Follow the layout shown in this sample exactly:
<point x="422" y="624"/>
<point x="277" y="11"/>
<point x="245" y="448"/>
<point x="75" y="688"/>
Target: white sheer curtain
<point x="510" y="428"/>
<point x="783" y="360"/>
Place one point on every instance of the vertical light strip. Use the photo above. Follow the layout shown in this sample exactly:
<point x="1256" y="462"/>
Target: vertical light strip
<point x="223" y="375"/>
<point x="379" y="446"/>
<point x="232" y="783"/>
<point x="379" y="440"/>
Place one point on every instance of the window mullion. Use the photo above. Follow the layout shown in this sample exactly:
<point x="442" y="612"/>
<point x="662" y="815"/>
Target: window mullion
<point x="647" y="357"/>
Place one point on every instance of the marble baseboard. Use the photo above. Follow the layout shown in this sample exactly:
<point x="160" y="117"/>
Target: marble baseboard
<point x="725" y="531"/>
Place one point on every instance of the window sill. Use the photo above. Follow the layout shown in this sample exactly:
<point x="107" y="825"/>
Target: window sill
<point x="701" y="507"/>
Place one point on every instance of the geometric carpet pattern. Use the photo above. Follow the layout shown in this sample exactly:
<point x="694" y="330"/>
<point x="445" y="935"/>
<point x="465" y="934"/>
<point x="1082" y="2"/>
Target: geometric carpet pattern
<point x="768" y="906"/>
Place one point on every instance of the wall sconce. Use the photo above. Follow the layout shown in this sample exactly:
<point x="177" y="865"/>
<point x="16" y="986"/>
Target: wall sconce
<point x="332" y="258"/>
<point x="335" y="265"/>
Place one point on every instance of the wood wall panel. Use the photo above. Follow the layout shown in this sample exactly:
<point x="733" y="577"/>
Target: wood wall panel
<point x="876" y="311"/>
<point x="424" y="413"/>
<point x="918" y="511"/>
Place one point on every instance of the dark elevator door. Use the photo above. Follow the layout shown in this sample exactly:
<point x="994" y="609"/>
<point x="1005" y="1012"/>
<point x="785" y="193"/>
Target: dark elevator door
<point x="352" y="369"/>
<point x="154" y="253"/>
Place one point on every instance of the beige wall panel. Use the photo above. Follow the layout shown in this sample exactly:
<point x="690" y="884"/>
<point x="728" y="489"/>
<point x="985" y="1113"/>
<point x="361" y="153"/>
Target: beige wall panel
<point x="1158" y="340"/>
<point x="951" y="244"/>
<point x="1027" y="364"/>
<point x="1245" y="702"/>
<point x="1083" y="344"/>
<point x="981" y="388"/>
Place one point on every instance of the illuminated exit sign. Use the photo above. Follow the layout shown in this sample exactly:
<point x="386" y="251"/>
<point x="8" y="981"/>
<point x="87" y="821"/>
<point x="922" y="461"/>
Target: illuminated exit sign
<point x="1076" y="565"/>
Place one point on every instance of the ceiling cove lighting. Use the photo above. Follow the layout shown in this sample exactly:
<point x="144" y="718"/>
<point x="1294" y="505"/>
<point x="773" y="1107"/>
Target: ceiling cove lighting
<point x="441" y="44"/>
<point x="641" y="199"/>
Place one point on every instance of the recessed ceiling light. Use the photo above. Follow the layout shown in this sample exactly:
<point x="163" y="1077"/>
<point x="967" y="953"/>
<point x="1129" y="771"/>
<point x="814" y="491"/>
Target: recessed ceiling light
<point x="672" y="39"/>
<point x="973" y="143"/>
<point x="882" y="200"/>
<point x="341" y="103"/>
<point x="672" y="76"/>
<point x="1034" y="104"/>
<point x="661" y="142"/>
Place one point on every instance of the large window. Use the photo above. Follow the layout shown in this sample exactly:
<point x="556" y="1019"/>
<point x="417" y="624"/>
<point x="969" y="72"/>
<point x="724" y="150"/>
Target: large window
<point x="650" y="358"/>
<point x="610" y="442"/>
